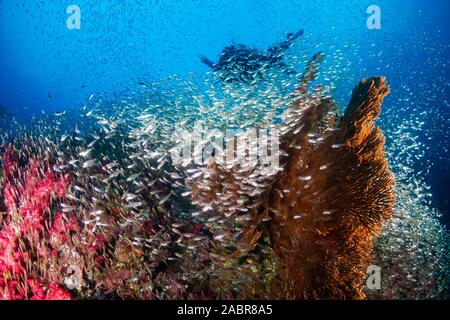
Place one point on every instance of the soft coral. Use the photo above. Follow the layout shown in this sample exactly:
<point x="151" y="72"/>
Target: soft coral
<point x="28" y="194"/>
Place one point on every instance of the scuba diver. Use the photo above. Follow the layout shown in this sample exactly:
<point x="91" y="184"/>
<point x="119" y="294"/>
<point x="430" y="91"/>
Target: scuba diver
<point x="241" y="63"/>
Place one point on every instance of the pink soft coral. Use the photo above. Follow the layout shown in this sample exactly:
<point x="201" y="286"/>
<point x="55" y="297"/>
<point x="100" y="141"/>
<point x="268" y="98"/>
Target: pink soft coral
<point x="29" y="191"/>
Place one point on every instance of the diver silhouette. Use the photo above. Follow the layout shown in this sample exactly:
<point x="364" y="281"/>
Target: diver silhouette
<point x="241" y="63"/>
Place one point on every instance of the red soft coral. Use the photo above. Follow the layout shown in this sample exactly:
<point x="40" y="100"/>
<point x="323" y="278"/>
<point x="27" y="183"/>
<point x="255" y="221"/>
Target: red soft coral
<point x="62" y="227"/>
<point x="28" y="193"/>
<point x="53" y="292"/>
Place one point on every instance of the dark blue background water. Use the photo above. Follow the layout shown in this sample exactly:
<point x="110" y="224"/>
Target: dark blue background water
<point x="46" y="66"/>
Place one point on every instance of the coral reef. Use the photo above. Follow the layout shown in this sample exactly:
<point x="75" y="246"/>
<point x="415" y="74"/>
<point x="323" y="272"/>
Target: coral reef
<point x="103" y="211"/>
<point x="51" y="248"/>
<point x="323" y="208"/>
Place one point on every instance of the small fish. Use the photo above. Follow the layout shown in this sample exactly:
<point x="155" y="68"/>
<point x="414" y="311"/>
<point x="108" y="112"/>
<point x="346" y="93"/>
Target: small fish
<point x="219" y="237"/>
<point x="85" y="153"/>
<point x="133" y="177"/>
<point x="64" y="137"/>
<point x="80" y="189"/>
<point x="89" y="163"/>
<point x="134" y="205"/>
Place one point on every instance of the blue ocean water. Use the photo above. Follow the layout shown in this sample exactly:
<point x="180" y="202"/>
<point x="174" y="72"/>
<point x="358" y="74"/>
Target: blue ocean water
<point x="46" y="67"/>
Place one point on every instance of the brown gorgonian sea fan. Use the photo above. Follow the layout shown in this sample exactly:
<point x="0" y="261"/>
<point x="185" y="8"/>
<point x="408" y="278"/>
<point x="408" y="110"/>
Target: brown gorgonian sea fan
<point x="320" y="212"/>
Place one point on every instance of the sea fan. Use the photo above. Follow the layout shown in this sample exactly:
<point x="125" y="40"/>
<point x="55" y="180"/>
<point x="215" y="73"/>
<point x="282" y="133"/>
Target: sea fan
<point x="321" y="210"/>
